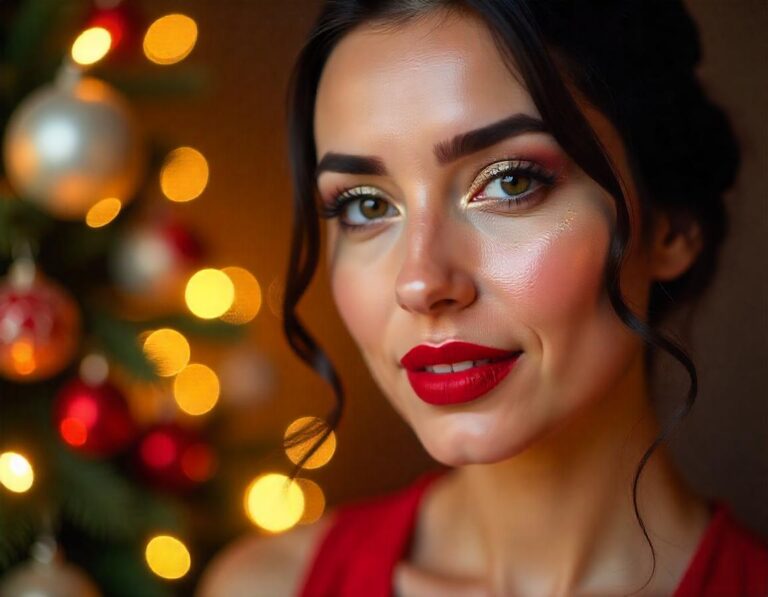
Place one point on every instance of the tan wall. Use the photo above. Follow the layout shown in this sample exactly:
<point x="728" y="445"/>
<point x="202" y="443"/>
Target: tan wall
<point x="245" y="217"/>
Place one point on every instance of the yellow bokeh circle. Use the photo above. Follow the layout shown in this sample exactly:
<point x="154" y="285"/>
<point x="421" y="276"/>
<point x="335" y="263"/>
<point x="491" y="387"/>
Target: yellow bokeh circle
<point x="274" y="502"/>
<point x="312" y="427"/>
<point x="196" y="389"/>
<point x="103" y="212"/>
<point x="167" y="557"/>
<point x="168" y="350"/>
<point x="184" y="174"/>
<point x="91" y="45"/>
<point x="247" y="296"/>
<point x="16" y="472"/>
<point x="209" y="293"/>
<point x="170" y="39"/>
<point x="314" y="501"/>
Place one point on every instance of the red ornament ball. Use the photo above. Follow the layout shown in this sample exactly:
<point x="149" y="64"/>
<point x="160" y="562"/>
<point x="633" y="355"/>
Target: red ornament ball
<point x="174" y="458"/>
<point x="39" y="327"/>
<point x="93" y="420"/>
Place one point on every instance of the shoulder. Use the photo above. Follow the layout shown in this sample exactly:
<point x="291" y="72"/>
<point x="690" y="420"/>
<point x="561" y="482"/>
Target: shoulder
<point x="741" y="540"/>
<point x="275" y="565"/>
<point x="731" y="560"/>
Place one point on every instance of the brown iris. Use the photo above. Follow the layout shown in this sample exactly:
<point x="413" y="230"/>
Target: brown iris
<point x="514" y="185"/>
<point x="373" y="208"/>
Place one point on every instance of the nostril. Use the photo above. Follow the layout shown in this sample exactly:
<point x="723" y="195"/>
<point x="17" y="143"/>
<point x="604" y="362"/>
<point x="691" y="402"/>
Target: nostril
<point x="442" y="304"/>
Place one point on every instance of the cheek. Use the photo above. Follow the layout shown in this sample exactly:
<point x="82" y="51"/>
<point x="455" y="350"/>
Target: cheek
<point x="554" y="280"/>
<point x="553" y="285"/>
<point x="363" y="296"/>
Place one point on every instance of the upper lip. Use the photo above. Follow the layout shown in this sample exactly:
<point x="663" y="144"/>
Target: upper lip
<point x="424" y="355"/>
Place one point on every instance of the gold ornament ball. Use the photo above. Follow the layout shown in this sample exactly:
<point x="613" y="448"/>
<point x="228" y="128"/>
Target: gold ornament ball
<point x="71" y="144"/>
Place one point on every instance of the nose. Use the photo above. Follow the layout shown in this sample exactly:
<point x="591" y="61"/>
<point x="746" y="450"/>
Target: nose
<point x="432" y="279"/>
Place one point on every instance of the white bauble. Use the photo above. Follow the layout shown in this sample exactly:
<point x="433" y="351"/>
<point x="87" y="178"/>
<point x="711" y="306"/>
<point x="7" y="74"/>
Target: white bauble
<point x="72" y="143"/>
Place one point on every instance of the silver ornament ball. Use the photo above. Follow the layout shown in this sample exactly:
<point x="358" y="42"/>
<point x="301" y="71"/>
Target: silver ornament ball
<point x="47" y="574"/>
<point x="72" y="143"/>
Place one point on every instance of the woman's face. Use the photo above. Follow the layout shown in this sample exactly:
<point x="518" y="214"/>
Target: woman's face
<point x="498" y="242"/>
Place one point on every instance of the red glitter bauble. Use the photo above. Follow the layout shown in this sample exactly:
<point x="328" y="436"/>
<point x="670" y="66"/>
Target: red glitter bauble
<point x="174" y="458"/>
<point x="39" y="328"/>
<point x="93" y="420"/>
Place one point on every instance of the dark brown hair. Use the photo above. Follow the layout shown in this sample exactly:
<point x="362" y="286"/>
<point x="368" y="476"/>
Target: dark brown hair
<point x="634" y="60"/>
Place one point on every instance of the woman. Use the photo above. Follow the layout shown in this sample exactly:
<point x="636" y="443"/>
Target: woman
<point x="516" y="193"/>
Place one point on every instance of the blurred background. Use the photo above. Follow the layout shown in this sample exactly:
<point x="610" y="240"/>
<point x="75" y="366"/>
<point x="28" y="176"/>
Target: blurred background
<point x="145" y="385"/>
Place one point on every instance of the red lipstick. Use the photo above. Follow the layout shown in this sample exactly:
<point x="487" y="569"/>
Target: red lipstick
<point x="456" y="372"/>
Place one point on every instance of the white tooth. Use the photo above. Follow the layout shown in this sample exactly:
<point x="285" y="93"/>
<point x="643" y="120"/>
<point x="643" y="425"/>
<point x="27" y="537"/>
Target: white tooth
<point x="482" y="362"/>
<point x="441" y="368"/>
<point x="462" y="366"/>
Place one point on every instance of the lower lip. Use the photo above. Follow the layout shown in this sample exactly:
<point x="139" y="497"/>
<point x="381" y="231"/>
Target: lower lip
<point x="442" y="389"/>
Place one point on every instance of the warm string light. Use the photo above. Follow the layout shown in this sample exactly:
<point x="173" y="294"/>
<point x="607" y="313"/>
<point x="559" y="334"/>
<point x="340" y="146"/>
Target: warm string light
<point x="196" y="389"/>
<point x="168" y="350"/>
<point x="209" y="293"/>
<point x="274" y="502"/>
<point x="314" y="501"/>
<point x="91" y="46"/>
<point x="170" y="39"/>
<point x="16" y="472"/>
<point x="247" y="302"/>
<point x="103" y="212"/>
<point x="324" y="452"/>
<point x="167" y="557"/>
<point x="184" y="174"/>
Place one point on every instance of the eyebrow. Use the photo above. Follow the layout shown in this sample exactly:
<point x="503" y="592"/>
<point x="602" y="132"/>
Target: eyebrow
<point x="459" y="146"/>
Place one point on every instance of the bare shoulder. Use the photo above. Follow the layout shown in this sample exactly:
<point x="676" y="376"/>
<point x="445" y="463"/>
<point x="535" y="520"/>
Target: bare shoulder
<point x="263" y="565"/>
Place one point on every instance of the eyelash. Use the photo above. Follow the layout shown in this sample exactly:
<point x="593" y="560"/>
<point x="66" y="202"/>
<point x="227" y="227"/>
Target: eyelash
<point x="343" y="196"/>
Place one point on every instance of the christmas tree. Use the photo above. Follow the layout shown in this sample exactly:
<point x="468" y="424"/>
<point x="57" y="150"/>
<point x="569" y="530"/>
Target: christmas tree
<point x="109" y="447"/>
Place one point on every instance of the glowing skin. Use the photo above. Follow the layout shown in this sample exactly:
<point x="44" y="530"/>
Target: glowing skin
<point x="527" y="277"/>
<point x="540" y="500"/>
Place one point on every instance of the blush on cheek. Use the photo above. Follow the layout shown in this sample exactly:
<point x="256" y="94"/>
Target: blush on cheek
<point x="568" y="277"/>
<point x="554" y="282"/>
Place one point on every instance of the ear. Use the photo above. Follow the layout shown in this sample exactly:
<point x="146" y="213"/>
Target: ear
<point x="674" y="247"/>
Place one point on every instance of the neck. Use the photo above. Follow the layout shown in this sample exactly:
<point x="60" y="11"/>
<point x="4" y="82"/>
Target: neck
<point x="555" y="518"/>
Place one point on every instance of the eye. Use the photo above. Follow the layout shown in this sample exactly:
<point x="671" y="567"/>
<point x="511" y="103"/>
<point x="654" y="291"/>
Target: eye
<point x="358" y="207"/>
<point x="511" y="181"/>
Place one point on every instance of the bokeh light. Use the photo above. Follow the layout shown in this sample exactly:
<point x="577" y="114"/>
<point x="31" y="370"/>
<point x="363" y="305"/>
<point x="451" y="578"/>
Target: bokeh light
<point x="196" y="389"/>
<point x="16" y="472"/>
<point x="314" y="426"/>
<point x="170" y="39"/>
<point x="158" y="450"/>
<point x="198" y="462"/>
<point x="91" y="45"/>
<point x="247" y="296"/>
<point x="209" y="293"/>
<point x="103" y="212"/>
<point x="274" y="502"/>
<point x="168" y="350"/>
<point x="184" y="174"/>
<point x="314" y="501"/>
<point x="94" y="369"/>
<point x="167" y="557"/>
<point x="22" y="355"/>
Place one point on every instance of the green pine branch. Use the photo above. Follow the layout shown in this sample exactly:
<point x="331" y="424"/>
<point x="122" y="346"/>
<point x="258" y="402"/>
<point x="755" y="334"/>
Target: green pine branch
<point x="96" y="498"/>
<point x="18" y="526"/>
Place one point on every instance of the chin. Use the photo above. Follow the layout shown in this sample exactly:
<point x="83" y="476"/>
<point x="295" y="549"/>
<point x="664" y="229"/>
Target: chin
<point x="461" y="446"/>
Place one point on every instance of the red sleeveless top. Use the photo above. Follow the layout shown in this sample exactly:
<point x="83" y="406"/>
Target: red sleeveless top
<point x="366" y="539"/>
